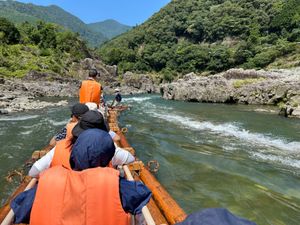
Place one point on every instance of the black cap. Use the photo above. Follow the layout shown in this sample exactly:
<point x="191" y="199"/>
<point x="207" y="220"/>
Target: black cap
<point x="79" y="109"/>
<point x="89" y="120"/>
<point x="93" y="73"/>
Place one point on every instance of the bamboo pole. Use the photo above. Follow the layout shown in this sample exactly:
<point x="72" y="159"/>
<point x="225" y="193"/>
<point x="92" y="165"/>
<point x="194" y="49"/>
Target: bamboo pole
<point x="10" y="216"/>
<point x="171" y="210"/>
<point x="145" y="210"/>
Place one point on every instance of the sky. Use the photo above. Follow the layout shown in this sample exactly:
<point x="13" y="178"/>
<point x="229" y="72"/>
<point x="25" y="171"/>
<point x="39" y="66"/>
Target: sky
<point x="129" y="12"/>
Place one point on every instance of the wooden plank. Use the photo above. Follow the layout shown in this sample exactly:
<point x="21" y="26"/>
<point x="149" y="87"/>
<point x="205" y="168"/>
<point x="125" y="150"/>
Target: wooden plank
<point x="169" y="207"/>
<point x="156" y="213"/>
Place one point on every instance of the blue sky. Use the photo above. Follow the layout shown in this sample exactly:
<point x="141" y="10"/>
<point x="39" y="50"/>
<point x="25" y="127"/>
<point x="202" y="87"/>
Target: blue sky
<point x="130" y="12"/>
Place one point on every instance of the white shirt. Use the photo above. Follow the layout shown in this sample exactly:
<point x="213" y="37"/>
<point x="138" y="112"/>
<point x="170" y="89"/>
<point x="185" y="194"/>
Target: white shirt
<point x="121" y="157"/>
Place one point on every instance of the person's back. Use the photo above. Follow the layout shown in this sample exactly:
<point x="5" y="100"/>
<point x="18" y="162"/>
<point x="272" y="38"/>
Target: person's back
<point x="87" y="197"/>
<point x="90" y="89"/>
<point x="86" y="194"/>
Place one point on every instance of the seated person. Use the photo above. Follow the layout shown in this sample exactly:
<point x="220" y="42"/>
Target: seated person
<point x="60" y="154"/>
<point x="90" y="193"/>
<point x="118" y="98"/>
<point x="77" y="111"/>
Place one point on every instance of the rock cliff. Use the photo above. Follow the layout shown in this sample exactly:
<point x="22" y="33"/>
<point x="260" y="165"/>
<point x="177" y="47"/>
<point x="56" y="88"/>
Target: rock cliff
<point x="276" y="87"/>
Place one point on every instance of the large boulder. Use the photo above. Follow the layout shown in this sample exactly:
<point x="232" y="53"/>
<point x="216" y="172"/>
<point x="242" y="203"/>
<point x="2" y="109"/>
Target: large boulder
<point x="201" y="89"/>
<point x="280" y="87"/>
<point x="141" y="82"/>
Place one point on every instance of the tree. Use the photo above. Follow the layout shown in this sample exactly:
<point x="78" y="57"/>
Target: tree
<point x="9" y="34"/>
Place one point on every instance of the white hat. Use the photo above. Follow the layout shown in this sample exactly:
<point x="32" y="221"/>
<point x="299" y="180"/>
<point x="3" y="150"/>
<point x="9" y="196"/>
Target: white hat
<point x="91" y="105"/>
<point x="117" y="89"/>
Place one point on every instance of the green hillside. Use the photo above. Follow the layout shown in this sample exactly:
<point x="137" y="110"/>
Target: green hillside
<point x="20" y="12"/>
<point x="209" y="35"/>
<point x="43" y="47"/>
<point x="110" y="28"/>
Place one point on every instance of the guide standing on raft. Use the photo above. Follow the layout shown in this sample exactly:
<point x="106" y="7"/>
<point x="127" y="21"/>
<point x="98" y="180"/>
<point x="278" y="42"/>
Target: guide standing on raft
<point x="90" y="89"/>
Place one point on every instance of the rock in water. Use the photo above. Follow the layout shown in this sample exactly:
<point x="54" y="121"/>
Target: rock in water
<point x="240" y="86"/>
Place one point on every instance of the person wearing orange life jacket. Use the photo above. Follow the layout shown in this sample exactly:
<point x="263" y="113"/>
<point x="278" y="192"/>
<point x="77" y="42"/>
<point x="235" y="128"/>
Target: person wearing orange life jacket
<point x="77" y="111"/>
<point x="63" y="142"/>
<point x="90" y="90"/>
<point x="90" y="193"/>
<point x="60" y="155"/>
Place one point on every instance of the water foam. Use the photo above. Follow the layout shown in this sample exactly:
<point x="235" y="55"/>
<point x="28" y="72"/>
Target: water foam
<point x="276" y="158"/>
<point x="58" y="123"/>
<point x="136" y="99"/>
<point x="231" y="130"/>
<point x="18" y="118"/>
<point x="26" y="132"/>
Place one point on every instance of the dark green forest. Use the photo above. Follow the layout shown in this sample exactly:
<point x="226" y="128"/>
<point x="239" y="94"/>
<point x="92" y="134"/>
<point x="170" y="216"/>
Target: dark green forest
<point x="18" y="12"/>
<point x="209" y="36"/>
<point x="95" y="33"/>
<point x="41" y="46"/>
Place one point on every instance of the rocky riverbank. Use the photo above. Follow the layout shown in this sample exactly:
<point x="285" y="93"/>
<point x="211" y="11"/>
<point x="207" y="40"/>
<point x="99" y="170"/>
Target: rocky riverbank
<point x="21" y="94"/>
<point x="275" y="87"/>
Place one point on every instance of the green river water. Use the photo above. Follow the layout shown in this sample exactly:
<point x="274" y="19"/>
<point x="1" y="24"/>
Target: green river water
<point x="210" y="155"/>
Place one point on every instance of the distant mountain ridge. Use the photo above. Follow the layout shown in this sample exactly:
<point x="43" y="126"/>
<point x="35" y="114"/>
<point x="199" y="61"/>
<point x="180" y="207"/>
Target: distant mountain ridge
<point x="111" y="28"/>
<point x="18" y="12"/>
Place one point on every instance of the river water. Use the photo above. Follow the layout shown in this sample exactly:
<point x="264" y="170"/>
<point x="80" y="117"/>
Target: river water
<point x="210" y="155"/>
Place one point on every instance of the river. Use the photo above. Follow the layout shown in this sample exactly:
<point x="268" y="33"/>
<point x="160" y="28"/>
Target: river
<point x="210" y="155"/>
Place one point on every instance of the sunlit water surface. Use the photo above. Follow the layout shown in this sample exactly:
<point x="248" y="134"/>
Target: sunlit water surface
<point x="210" y="155"/>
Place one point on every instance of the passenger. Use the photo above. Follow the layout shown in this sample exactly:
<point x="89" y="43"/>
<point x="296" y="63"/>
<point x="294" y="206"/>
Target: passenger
<point x="90" y="90"/>
<point x="118" y="98"/>
<point x="77" y="111"/>
<point x="60" y="154"/>
<point x="89" y="121"/>
<point x="101" y="109"/>
<point x="90" y="193"/>
<point x="93" y="106"/>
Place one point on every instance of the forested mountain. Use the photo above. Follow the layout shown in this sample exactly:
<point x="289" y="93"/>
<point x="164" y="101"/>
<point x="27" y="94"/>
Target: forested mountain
<point x="43" y="47"/>
<point x="209" y="35"/>
<point x="19" y="12"/>
<point x="110" y="28"/>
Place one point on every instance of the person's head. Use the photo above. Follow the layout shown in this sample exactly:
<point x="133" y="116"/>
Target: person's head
<point x="90" y="120"/>
<point x="78" y="110"/>
<point x="93" y="148"/>
<point x="93" y="73"/>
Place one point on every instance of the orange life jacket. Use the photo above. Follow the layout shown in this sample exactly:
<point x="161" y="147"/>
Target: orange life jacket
<point x="62" y="154"/>
<point x="89" y="197"/>
<point x="90" y="91"/>
<point x="70" y="127"/>
<point x="63" y="149"/>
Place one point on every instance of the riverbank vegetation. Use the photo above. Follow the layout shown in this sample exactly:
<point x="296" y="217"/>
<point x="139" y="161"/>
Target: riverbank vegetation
<point x="41" y="46"/>
<point x="210" y="36"/>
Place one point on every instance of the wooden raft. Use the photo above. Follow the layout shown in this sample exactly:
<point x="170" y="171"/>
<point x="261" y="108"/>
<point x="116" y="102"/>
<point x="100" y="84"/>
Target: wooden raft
<point x="164" y="209"/>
